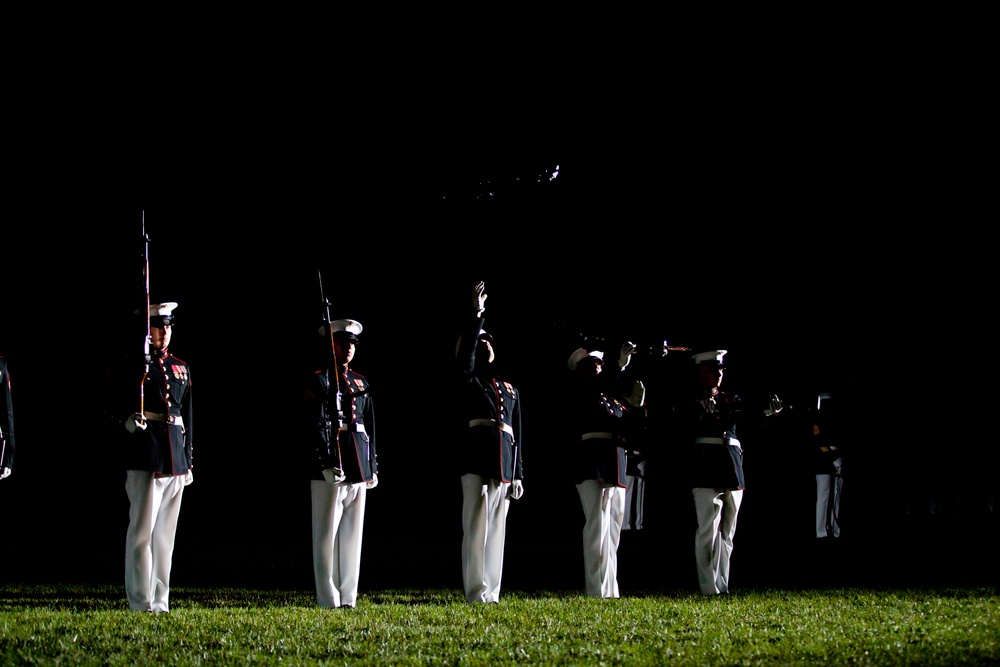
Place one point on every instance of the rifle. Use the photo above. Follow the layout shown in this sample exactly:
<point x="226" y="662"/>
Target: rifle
<point x="334" y="406"/>
<point x="658" y="349"/>
<point x="147" y="358"/>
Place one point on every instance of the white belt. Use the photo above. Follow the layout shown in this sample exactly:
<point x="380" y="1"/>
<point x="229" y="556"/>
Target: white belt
<point x="717" y="441"/>
<point x="598" y="435"/>
<point x="356" y="428"/>
<point x="166" y="419"/>
<point x="506" y="428"/>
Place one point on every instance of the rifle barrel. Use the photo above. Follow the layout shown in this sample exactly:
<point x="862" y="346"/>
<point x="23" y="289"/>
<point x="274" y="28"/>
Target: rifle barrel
<point x="332" y="433"/>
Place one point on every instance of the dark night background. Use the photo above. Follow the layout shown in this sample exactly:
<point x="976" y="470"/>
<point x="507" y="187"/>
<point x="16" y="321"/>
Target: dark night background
<point x="821" y="248"/>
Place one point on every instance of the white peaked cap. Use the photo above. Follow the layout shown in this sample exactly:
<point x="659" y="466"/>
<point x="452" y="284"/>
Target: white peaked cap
<point x="712" y="356"/>
<point x="165" y="309"/>
<point x="162" y="309"/>
<point x="351" y="327"/>
<point x="579" y="354"/>
<point x="482" y="334"/>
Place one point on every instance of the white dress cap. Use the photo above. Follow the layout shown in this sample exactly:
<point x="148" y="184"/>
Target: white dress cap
<point x="352" y="327"/>
<point x="712" y="356"/>
<point x="579" y="354"/>
<point x="162" y="309"/>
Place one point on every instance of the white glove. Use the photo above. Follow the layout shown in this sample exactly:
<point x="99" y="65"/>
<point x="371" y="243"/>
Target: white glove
<point x="774" y="407"/>
<point x="479" y="297"/>
<point x="516" y="489"/>
<point x="838" y="463"/>
<point x="637" y="397"/>
<point x="372" y="484"/>
<point x="189" y="478"/>
<point x="135" y="421"/>
<point x="334" y="475"/>
<point x="4" y="473"/>
<point x="625" y="355"/>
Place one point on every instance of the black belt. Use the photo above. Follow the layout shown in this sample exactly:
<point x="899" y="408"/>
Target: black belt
<point x="718" y="441"/>
<point x="166" y="419"/>
<point x="599" y="435"/>
<point x="506" y="428"/>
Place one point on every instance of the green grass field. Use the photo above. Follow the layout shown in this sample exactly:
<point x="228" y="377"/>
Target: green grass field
<point x="91" y="625"/>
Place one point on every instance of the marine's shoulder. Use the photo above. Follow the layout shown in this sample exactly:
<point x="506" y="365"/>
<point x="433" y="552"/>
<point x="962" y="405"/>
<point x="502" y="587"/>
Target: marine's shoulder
<point x="174" y="359"/>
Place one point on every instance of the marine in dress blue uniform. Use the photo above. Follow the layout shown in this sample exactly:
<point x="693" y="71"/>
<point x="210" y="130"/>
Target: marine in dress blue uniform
<point x="828" y="464"/>
<point x="158" y="460"/>
<point x="601" y="428"/>
<point x="344" y="467"/>
<point x="706" y="426"/>
<point x="489" y="456"/>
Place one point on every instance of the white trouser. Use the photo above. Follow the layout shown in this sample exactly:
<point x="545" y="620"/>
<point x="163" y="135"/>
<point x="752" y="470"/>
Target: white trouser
<point x="154" y="505"/>
<point x="635" y="498"/>
<point x="828" y="504"/>
<point x="484" y="528"/>
<point x="603" y="513"/>
<point x="338" y="522"/>
<point x="716" y="511"/>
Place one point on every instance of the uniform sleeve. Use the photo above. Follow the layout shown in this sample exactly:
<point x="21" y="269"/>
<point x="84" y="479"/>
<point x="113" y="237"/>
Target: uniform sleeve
<point x="7" y="427"/>
<point x="515" y="419"/>
<point x="466" y="352"/>
<point x="187" y="413"/>
<point x="119" y="390"/>
<point x="369" y="417"/>
<point x="316" y="439"/>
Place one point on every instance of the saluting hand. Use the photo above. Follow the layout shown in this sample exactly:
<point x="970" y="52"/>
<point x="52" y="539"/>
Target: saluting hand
<point x="479" y="297"/>
<point x="625" y="355"/>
